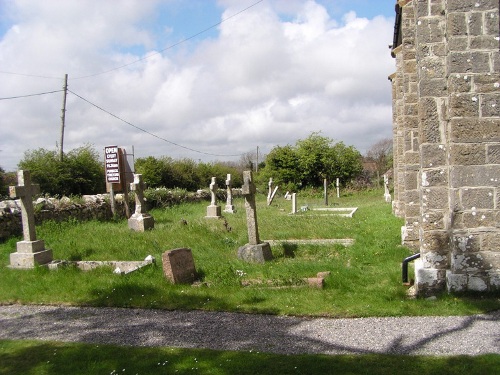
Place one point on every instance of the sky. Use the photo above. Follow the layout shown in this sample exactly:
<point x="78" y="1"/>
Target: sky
<point x="208" y="80"/>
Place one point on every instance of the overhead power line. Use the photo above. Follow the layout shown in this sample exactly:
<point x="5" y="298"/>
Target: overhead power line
<point x="173" y="45"/>
<point x="28" y="95"/>
<point x="146" y="131"/>
<point x="145" y="57"/>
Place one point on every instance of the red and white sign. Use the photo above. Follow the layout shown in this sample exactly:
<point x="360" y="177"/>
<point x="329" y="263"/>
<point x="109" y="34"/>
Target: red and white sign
<point x="112" y="164"/>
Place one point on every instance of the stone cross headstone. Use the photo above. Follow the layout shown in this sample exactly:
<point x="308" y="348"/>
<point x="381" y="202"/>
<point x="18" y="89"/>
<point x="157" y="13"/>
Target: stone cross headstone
<point x="140" y="221"/>
<point x="325" y="191"/>
<point x="229" y="200"/>
<point x="387" y="194"/>
<point x="254" y="250"/>
<point x="270" y="191"/>
<point x="213" y="210"/>
<point x="30" y="251"/>
<point x="178" y="266"/>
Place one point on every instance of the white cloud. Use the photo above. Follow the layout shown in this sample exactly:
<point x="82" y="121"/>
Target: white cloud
<point x="262" y="82"/>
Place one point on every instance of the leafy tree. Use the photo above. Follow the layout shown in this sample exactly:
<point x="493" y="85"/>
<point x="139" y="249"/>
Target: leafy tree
<point x="80" y="172"/>
<point x="155" y="172"/>
<point x="85" y="170"/>
<point x="282" y="163"/>
<point x="312" y="160"/>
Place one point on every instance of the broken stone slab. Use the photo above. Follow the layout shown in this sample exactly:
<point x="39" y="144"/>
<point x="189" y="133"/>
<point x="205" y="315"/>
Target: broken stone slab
<point x="119" y="267"/>
<point x="319" y="241"/>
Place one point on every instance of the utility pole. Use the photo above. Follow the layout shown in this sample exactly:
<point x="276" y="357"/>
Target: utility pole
<point x="63" y="117"/>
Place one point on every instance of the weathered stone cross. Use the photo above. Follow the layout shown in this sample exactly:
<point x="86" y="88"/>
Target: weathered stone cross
<point x="138" y="187"/>
<point x="248" y="191"/>
<point x="254" y="250"/>
<point x="30" y="251"/>
<point x="25" y="190"/>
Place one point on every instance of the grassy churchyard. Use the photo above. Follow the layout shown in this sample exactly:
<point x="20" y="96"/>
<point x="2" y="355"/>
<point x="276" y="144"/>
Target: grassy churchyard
<point x="364" y="280"/>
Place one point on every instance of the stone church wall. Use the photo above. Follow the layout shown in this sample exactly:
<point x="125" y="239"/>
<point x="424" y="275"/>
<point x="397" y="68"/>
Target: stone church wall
<point x="446" y="103"/>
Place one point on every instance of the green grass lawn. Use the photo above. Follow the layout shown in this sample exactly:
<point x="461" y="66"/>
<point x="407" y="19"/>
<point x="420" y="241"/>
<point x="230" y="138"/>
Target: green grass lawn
<point x="35" y="357"/>
<point x="365" y="278"/>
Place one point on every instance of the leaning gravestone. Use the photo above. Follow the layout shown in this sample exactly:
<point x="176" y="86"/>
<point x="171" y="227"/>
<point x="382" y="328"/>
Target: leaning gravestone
<point x="254" y="250"/>
<point x="30" y="251"/>
<point x="178" y="266"/>
<point x="140" y="221"/>
<point x="229" y="200"/>
<point x="213" y="211"/>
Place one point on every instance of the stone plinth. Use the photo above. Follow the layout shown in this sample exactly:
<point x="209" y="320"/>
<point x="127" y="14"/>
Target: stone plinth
<point x="213" y="211"/>
<point x="178" y="266"/>
<point x="29" y="254"/>
<point x="259" y="253"/>
<point x="141" y="222"/>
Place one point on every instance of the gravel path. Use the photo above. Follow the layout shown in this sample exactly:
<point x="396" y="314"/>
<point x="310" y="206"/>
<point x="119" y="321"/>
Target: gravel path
<point x="470" y="335"/>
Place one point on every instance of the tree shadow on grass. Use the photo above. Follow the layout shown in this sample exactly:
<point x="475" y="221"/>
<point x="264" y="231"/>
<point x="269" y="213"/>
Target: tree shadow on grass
<point x="57" y="358"/>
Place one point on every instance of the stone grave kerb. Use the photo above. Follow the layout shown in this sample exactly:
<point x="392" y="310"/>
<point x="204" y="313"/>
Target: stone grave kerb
<point x="140" y="221"/>
<point x="254" y="250"/>
<point x="30" y="251"/>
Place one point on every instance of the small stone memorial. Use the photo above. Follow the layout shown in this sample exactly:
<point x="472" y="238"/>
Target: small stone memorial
<point x="30" y="251"/>
<point x="213" y="211"/>
<point x="140" y="221"/>
<point x="387" y="194"/>
<point x="294" y="203"/>
<point x="229" y="200"/>
<point x="178" y="266"/>
<point x="255" y="250"/>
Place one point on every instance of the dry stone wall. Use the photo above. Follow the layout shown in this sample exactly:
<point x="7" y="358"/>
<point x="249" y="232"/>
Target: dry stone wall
<point x="446" y="104"/>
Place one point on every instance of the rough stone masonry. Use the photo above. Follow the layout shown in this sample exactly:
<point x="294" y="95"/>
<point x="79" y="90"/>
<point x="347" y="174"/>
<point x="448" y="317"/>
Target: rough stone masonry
<point x="446" y="130"/>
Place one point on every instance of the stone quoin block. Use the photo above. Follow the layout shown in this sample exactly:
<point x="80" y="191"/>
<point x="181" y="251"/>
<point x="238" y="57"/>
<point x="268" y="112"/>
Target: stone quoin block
<point x="435" y="87"/>
<point x="457" y="24"/>
<point x="467" y="5"/>
<point x="460" y="83"/>
<point x="434" y="198"/>
<point x="458" y="43"/>
<point x="475" y="176"/>
<point x="475" y="24"/>
<point x="479" y="219"/>
<point x="477" y="198"/>
<point x="490" y="107"/>
<point x="467" y="154"/>
<point x="433" y="220"/>
<point x="435" y="243"/>
<point x="465" y="242"/>
<point x="433" y="155"/>
<point x="469" y="62"/>
<point x="485" y="83"/>
<point x="465" y="130"/>
<point x="490" y="241"/>
<point x="491" y="25"/>
<point x="434" y="177"/>
<point x="464" y="105"/>
<point x="493" y="154"/>
<point x="484" y="42"/>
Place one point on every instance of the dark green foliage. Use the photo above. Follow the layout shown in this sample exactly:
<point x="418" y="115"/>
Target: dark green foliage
<point x="184" y="173"/>
<point x="312" y="160"/>
<point x="80" y="172"/>
<point x="3" y="184"/>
